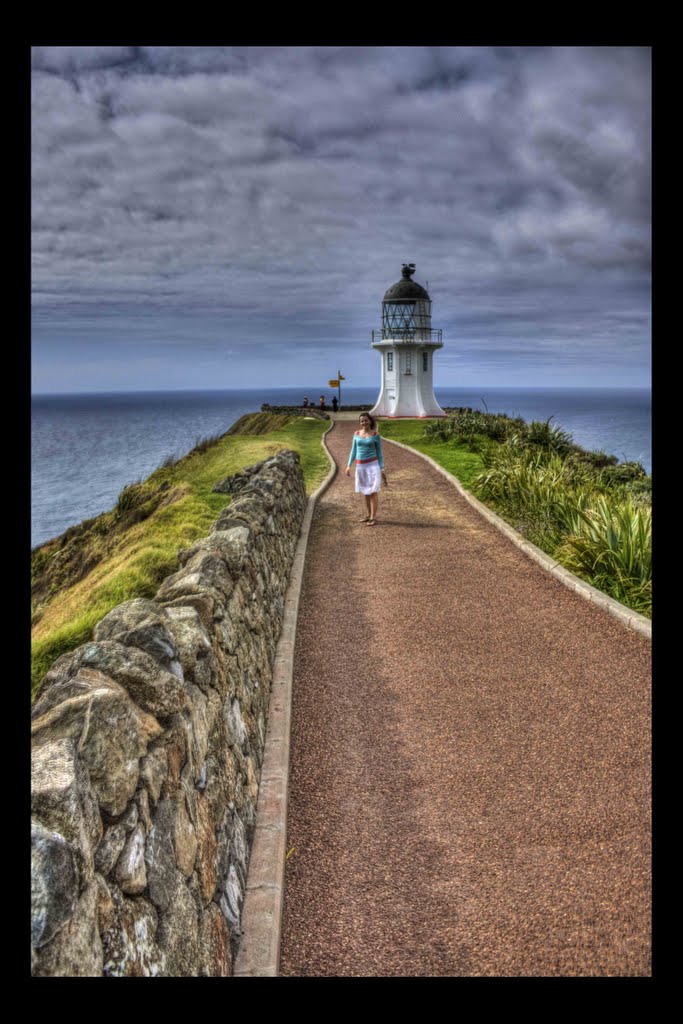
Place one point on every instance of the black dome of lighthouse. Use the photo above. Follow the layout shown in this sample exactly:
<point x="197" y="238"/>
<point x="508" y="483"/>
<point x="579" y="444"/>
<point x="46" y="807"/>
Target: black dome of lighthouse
<point x="405" y="288"/>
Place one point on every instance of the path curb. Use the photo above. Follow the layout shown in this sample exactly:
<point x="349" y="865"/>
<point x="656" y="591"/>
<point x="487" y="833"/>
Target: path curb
<point x="259" y="952"/>
<point x="633" y="620"/>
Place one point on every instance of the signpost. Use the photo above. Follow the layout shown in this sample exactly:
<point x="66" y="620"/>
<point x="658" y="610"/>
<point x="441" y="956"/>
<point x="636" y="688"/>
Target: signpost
<point x="337" y="384"/>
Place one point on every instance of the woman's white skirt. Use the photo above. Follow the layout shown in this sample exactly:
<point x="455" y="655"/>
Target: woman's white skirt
<point x="368" y="477"/>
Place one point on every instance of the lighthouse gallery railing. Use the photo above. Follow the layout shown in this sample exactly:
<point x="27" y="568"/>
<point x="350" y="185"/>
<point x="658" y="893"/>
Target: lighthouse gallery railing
<point x="427" y="335"/>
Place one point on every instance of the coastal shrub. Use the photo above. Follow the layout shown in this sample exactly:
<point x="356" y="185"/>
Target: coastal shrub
<point x="597" y="460"/>
<point x="540" y="434"/>
<point x="628" y="481"/>
<point x="439" y="430"/>
<point x="130" y="497"/>
<point x="469" y="426"/>
<point x="537" y="492"/>
<point x="640" y="491"/>
<point x="137" y="502"/>
<point x="101" y="526"/>
<point x="202" y="444"/>
<point x="610" y="544"/>
<point x="257" y="423"/>
<point x="480" y="444"/>
<point x="622" y="473"/>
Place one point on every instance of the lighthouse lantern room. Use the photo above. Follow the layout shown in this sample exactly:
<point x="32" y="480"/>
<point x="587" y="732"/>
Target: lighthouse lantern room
<point x="406" y="343"/>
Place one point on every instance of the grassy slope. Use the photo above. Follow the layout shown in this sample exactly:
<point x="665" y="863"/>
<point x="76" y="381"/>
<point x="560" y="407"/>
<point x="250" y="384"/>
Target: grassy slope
<point x="127" y="552"/>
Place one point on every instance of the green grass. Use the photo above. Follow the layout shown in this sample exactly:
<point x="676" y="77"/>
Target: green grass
<point x="456" y="458"/>
<point x="126" y="552"/>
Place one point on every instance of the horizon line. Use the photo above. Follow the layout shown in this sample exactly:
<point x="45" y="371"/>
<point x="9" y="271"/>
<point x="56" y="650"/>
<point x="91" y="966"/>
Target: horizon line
<point x="311" y="388"/>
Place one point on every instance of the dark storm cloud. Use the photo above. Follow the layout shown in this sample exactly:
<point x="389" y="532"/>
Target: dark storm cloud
<point x="237" y="196"/>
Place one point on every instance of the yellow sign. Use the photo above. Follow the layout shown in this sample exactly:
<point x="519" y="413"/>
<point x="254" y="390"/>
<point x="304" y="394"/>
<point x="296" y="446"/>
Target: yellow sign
<point x="341" y="377"/>
<point x="333" y="383"/>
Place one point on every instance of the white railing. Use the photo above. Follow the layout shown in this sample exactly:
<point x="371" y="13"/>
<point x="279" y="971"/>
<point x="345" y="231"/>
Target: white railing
<point x="420" y="335"/>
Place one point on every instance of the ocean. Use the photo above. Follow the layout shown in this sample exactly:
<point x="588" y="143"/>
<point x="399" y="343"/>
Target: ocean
<point x="86" y="448"/>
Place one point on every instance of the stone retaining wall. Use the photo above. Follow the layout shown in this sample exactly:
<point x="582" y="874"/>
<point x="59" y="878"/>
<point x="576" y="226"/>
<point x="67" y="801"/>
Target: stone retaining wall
<point x="147" y="751"/>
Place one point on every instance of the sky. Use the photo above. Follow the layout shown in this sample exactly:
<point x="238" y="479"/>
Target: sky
<point x="230" y="217"/>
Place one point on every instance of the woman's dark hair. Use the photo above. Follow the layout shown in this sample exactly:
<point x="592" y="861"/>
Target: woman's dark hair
<point x="371" y="418"/>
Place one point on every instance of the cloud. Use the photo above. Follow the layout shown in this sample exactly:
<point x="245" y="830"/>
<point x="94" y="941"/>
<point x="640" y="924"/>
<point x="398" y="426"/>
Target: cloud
<point x="279" y="189"/>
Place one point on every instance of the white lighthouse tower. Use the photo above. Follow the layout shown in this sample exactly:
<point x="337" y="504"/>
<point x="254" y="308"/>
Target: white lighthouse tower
<point x="406" y="344"/>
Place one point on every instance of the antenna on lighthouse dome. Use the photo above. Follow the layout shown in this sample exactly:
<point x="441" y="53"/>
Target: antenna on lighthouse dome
<point x="408" y="270"/>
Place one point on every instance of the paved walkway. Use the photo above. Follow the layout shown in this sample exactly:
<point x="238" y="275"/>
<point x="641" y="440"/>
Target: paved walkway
<point x="469" y="787"/>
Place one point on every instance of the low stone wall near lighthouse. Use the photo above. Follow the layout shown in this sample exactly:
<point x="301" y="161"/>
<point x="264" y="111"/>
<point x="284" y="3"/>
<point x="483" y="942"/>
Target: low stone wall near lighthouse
<point x="147" y="750"/>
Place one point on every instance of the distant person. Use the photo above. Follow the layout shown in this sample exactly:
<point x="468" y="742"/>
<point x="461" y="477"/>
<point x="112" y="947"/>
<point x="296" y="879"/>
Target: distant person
<point x="306" y="402"/>
<point x="322" y="402"/>
<point x="335" y="404"/>
<point x="367" y="454"/>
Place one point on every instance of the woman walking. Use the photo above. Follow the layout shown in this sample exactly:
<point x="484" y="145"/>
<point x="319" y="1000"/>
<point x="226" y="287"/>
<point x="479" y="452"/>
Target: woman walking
<point x="366" y="451"/>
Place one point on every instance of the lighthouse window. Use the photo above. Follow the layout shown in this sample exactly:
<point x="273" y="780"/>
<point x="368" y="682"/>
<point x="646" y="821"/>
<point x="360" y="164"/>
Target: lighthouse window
<point x="390" y="360"/>
<point x="398" y="319"/>
<point x="409" y="359"/>
<point x="425" y="361"/>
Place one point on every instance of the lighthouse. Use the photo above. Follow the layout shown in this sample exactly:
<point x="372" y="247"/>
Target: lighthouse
<point x="406" y="343"/>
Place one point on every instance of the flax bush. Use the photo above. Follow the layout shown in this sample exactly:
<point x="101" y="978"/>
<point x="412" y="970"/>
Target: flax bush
<point x="538" y="493"/>
<point x="540" y="434"/>
<point x="610" y="544"/>
<point x="469" y="426"/>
